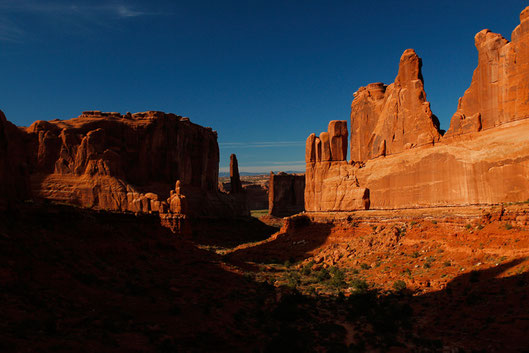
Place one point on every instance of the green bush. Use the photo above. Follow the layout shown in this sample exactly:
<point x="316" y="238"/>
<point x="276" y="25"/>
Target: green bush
<point x="307" y="269"/>
<point x="338" y="278"/>
<point x="360" y="285"/>
<point x="399" y="285"/>
<point x="322" y="275"/>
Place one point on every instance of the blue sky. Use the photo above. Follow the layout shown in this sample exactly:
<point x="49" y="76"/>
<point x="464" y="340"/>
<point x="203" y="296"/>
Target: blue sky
<point x="264" y="74"/>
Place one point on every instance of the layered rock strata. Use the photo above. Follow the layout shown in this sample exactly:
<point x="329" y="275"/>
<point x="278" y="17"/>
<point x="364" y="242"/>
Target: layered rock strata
<point x="286" y="194"/>
<point x="143" y="162"/>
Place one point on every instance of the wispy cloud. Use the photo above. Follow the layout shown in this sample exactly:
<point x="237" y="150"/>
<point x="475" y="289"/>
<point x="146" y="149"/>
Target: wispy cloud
<point x="58" y="8"/>
<point x="266" y="144"/>
<point x="9" y="31"/>
<point x="91" y="12"/>
<point x="124" y="11"/>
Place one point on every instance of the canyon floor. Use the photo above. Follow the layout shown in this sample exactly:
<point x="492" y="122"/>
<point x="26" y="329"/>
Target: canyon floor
<point x="423" y="280"/>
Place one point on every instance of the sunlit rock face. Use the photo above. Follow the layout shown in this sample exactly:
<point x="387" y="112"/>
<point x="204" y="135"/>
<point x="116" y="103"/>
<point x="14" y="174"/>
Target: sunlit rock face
<point x="390" y="119"/>
<point x="499" y="90"/>
<point x="400" y="160"/>
<point x="143" y="162"/>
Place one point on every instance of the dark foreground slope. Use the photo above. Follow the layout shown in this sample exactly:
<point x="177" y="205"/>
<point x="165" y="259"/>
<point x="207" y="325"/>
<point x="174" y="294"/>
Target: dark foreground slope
<point x="77" y="280"/>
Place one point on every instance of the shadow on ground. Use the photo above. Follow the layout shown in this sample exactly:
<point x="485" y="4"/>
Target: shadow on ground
<point x="85" y="281"/>
<point x="297" y="245"/>
<point x="229" y="233"/>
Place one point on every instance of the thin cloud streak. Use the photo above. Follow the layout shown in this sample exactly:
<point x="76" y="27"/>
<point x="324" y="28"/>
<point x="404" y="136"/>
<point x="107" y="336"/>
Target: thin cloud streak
<point x="12" y="32"/>
<point x="58" y="8"/>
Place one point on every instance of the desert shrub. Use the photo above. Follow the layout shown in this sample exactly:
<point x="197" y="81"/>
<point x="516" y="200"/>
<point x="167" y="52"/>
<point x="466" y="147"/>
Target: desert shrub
<point x="307" y="269"/>
<point x="399" y="285"/>
<point x="338" y="278"/>
<point x="447" y="264"/>
<point x="434" y="222"/>
<point x="360" y="285"/>
<point x="508" y="226"/>
<point x="415" y="254"/>
<point x="322" y="275"/>
<point x="468" y="226"/>
<point x="406" y="272"/>
<point x="293" y="279"/>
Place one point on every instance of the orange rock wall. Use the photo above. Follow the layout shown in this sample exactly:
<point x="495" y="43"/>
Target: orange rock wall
<point x="123" y="163"/>
<point x="487" y="167"/>
<point x="330" y="182"/>
<point x="394" y="118"/>
<point x="498" y="92"/>
<point x="399" y="159"/>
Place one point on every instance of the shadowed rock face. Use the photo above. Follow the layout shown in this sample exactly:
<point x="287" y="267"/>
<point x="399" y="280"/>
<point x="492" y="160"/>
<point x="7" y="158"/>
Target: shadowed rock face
<point x="14" y="178"/>
<point x="498" y="92"/>
<point x="235" y="179"/>
<point x="390" y="119"/>
<point x="286" y="194"/>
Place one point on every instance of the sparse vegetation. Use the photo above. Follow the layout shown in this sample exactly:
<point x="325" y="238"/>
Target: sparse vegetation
<point x="399" y="285"/>
<point x="360" y="285"/>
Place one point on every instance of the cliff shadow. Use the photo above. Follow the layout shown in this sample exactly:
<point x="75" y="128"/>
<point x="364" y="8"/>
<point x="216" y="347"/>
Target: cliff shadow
<point x="229" y="232"/>
<point x="478" y="310"/>
<point x="295" y="243"/>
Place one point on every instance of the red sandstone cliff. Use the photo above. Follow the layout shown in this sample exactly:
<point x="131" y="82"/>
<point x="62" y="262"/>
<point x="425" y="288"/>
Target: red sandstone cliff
<point x="498" y="92"/>
<point x="122" y="163"/>
<point x="391" y="119"/>
<point x="477" y="167"/>
<point x="330" y="182"/>
<point x="118" y="162"/>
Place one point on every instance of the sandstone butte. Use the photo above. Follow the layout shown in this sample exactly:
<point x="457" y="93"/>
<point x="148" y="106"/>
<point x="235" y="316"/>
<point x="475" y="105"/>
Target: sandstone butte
<point x="286" y="194"/>
<point x="399" y="159"/>
<point x="143" y="162"/>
